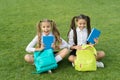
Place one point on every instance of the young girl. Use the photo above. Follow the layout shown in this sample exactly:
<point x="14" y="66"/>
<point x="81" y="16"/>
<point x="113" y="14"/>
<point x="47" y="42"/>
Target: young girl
<point x="77" y="36"/>
<point x="47" y="27"/>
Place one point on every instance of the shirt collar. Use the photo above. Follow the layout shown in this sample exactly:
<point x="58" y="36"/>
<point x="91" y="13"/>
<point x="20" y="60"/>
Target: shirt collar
<point x="79" y="30"/>
<point x="50" y="34"/>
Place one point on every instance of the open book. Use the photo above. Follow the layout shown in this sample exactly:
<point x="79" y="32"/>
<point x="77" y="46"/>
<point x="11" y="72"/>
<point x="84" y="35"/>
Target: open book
<point x="95" y="33"/>
<point x="47" y="41"/>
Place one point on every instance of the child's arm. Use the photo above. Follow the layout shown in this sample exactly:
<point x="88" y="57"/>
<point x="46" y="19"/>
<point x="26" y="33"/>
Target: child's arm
<point x="64" y="44"/>
<point x="30" y="47"/>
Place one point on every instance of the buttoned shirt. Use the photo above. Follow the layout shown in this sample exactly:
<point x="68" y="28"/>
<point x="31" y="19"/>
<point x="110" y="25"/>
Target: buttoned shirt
<point x="81" y="37"/>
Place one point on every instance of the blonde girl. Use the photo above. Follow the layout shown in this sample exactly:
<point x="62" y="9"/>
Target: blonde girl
<point x="47" y="27"/>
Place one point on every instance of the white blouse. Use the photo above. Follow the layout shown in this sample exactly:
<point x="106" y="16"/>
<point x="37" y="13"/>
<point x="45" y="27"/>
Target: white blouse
<point x="81" y="37"/>
<point x="31" y="46"/>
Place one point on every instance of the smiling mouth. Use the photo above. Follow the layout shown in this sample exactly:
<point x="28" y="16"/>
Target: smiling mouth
<point x="46" y="32"/>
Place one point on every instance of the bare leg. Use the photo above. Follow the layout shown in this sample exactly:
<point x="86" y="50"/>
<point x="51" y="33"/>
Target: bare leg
<point x="63" y="52"/>
<point x="100" y="55"/>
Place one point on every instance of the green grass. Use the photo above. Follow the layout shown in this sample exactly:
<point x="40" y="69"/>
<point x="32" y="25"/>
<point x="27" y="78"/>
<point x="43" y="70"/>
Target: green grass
<point x="17" y="28"/>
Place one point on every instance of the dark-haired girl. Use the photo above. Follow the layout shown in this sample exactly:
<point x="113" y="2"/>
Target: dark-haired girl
<point x="80" y="29"/>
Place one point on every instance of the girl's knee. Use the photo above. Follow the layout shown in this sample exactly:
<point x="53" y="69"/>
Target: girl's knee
<point x="101" y="54"/>
<point x="71" y="58"/>
<point x="28" y="58"/>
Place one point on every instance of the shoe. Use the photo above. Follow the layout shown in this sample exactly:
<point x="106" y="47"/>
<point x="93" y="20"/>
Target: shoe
<point x="49" y="71"/>
<point x="73" y="64"/>
<point x="100" y="64"/>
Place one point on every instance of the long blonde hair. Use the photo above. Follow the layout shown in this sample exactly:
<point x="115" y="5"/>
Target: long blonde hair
<point x="55" y="32"/>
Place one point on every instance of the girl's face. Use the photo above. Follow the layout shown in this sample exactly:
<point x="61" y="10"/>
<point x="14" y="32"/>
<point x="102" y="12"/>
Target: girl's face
<point x="46" y="27"/>
<point x="81" y="23"/>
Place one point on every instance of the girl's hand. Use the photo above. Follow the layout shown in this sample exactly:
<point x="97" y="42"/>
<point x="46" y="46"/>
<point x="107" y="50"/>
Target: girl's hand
<point x="96" y="40"/>
<point x="91" y="45"/>
<point x="40" y="49"/>
<point x="78" y="47"/>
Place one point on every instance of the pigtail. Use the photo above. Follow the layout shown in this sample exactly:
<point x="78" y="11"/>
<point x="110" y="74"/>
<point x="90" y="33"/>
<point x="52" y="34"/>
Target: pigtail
<point x="73" y="27"/>
<point x="56" y="33"/>
<point x="39" y="35"/>
<point x="88" y="25"/>
<point x="73" y="23"/>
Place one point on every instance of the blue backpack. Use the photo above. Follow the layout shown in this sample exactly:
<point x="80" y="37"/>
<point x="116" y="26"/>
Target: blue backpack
<point x="44" y="60"/>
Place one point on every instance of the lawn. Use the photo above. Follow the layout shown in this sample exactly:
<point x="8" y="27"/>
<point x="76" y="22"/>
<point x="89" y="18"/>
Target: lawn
<point x="18" y="20"/>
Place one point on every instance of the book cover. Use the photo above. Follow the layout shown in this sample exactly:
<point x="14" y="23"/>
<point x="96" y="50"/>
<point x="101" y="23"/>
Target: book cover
<point x="47" y="41"/>
<point x="95" y="33"/>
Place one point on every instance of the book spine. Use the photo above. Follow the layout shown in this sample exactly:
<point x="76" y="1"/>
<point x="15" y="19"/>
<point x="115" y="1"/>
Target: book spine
<point x="90" y="34"/>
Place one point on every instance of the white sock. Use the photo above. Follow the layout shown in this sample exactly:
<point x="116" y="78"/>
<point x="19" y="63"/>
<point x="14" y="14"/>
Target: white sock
<point x="49" y="71"/>
<point x="58" y="58"/>
<point x="99" y="64"/>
